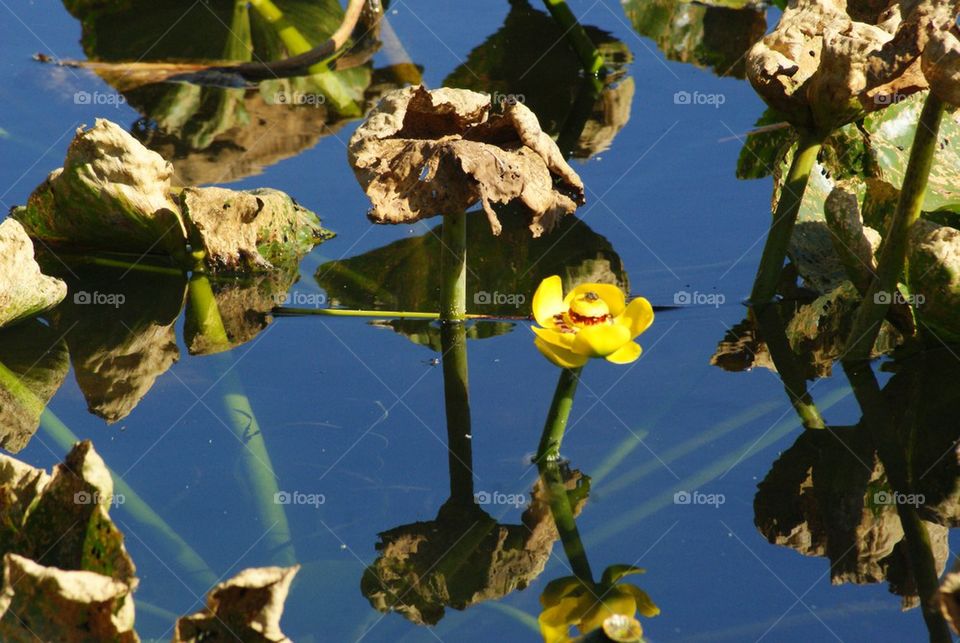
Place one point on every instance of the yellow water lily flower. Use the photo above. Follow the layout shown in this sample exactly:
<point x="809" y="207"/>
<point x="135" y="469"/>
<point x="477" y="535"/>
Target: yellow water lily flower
<point x="593" y="320"/>
<point x="569" y="602"/>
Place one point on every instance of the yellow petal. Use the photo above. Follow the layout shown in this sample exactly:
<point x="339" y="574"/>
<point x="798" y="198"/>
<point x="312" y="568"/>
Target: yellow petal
<point x="637" y="317"/>
<point x="555" y="621"/>
<point x="558" y="589"/>
<point x="626" y="354"/>
<point x="548" y="301"/>
<point x="610" y="294"/>
<point x="644" y="604"/>
<point x="600" y="340"/>
<point x="560" y="356"/>
<point x="550" y="336"/>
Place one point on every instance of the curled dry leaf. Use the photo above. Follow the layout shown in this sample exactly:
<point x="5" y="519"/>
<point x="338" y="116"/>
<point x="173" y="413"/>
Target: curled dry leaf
<point x="822" y="69"/>
<point x="949" y="595"/>
<point x="24" y="290"/>
<point x="51" y="604"/>
<point x="941" y="56"/>
<point x="249" y="231"/>
<point x="111" y="193"/>
<point x="247" y="607"/>
<point x="424" y="153"/>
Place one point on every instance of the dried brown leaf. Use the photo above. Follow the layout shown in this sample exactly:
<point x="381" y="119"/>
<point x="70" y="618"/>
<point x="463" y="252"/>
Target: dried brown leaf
<point x="425" y="153"/>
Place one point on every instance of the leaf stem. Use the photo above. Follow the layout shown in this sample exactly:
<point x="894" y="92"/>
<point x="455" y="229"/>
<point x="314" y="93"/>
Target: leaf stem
<point x="556" y="424"/>
<point x="573" y="31"/>
<point x="893" y="253"/>
<point x="453" y="268"/>
<point x="781" y="228"/>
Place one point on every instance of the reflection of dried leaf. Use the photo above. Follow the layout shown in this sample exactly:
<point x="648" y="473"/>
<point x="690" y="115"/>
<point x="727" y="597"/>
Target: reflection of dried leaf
<point x="950" y="600"/>
<point x="245" y="307"/>
<point x="35" y="354"/>
<point x="424" y="153"/>
<point x="464" y="556"/>
<point x="247" y="607"/>
<point x="111" y="193"/>
<point x="24" y="290"/>
<point x="50" y="604"/>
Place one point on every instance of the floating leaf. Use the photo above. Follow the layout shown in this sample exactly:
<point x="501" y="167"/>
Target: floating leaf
<point x="425" y="153"/>
<point x="51" y="604"/>
<point x="24" y="290"/>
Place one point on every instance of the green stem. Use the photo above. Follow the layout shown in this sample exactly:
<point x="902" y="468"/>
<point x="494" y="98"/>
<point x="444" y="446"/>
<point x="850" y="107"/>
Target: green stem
<point x="244" y="424"/>
<point x="791" y="374"/>
<point x="285" y="311"/>
<point x="453" y="268"/>
<point x="586" y="50"/>
<point x="566" y="524"/>
<point x="556" y="424"/>
<point x="456" y="395"/>
<point x="893" y="254"/>
<point x="781" y="228"/>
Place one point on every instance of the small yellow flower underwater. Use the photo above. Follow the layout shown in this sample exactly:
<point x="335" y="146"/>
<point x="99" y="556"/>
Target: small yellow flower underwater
<point x="593" y="320"/>
<point x="570" y="602"/>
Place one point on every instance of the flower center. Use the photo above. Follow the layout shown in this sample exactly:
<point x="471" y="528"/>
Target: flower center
<point x="588" y="309"/>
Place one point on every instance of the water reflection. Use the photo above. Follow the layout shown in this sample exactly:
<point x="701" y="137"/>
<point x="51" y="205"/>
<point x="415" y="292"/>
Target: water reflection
<point x="465" y="555"/>
<point x="584" y="114"/>
<point x="717" y="37"/>
<point x="33" y="356"/>
<point x="502" y="272"/>
<point x="218" y="127"/>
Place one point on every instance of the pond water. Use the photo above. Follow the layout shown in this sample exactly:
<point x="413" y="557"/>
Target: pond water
<point x="350" y="411"/>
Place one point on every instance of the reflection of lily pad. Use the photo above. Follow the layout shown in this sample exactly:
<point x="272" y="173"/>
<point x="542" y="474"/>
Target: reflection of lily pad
<point x="120" y="327"/>
<point x="502" y="272"/>
<point x="217" y="134"/>
<point x="36" y="357"/>
<point x="706" y="36"/>
<point x="246" y="607"/>
<point x="511" y="62"/>
<point x="427" y="333"/>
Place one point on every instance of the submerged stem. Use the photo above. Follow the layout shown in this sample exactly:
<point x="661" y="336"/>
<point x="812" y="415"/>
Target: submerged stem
<point x="556" y="424"/>
<point x="453" y="268"/>
<point x="781" y="228"/>
<point x="893" y="253"/>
